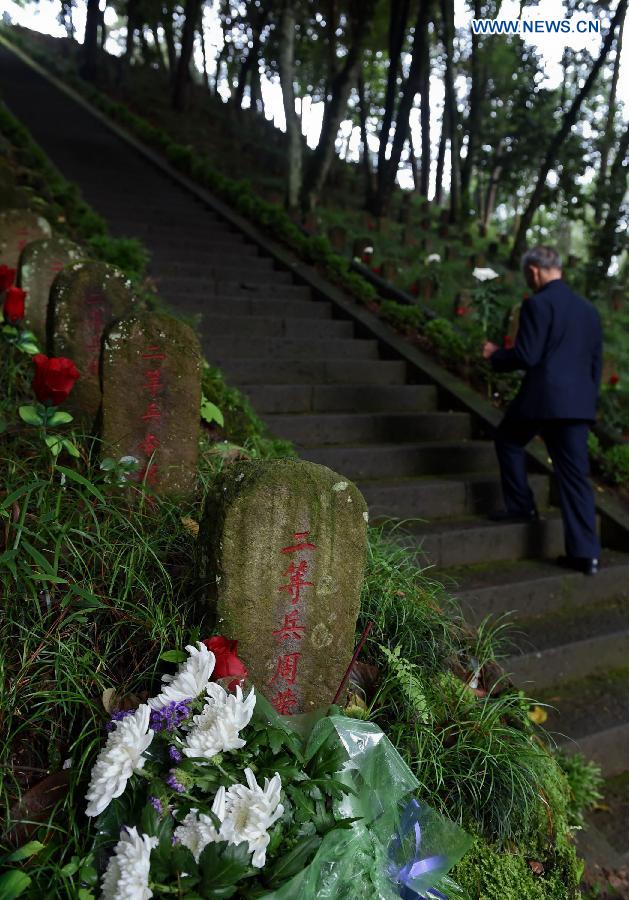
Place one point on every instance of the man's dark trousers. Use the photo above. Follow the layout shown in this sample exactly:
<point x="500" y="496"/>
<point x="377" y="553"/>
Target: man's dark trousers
<point x="559" y="348"/>
<point x="566" y="441"/>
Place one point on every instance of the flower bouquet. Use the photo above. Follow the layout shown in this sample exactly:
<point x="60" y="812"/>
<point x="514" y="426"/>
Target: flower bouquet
<point x="204" y="791"/>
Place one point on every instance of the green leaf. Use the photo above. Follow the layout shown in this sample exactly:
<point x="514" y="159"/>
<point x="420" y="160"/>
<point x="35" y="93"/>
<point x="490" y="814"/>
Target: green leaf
<point x="221" y="867"/>
<point x="79" y="479"/>
<point x="211" y="413"/>
<point x="174" y="656"/>
<point x="24" y="852"/>
<point x="12" y="884"/>
<point x="72" y="449"/>
<point x="60" y="417"/>
<point x="292" y="863"/>
<point x="28" y="347"/>
<point x="54" y="443"/>
<point x="30" y="415"/>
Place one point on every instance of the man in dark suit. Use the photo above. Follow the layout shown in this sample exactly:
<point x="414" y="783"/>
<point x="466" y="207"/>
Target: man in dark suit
<point x="559" y="348"/>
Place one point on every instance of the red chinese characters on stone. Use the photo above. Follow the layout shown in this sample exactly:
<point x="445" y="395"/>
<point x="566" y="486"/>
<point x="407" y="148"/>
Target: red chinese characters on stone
<point x="290" y="633"/>
<point x="152" y="387"/>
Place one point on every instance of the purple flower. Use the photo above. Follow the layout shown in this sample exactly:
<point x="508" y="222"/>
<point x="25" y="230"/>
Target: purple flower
<point x="156" y="804"/>
<point x="174" y="754"/>
<point x="172" y="782"/>
<point x="118" y="717"/>
<point x="171" y="716"/>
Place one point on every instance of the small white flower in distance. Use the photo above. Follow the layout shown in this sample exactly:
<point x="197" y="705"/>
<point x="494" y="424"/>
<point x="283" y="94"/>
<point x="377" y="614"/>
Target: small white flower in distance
<point x="434" y="257"/>
<point x="118" y="760"/>
<point x="249" y="813"/>
<point x="190" y="679"/>
<point x="127" y="874"/>
<point x="198" y="830"/>
<point x="217" y="727"/>
<point x="484" y="274"/>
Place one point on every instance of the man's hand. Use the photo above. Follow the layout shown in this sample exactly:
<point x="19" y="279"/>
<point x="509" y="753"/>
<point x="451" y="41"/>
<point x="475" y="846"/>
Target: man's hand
<point x="489" y="349"/>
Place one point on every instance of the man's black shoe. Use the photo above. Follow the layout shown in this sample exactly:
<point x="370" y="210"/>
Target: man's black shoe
<point x="507" y="516"/>
<point x="584" y="564"/>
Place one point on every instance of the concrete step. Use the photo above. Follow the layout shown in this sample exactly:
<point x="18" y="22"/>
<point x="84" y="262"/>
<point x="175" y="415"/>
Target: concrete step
<point x="206" y="266"/>
<point x="572" y="643"/>
<point x="535" y="587"/>
<point x="239" y="277"/>
<point x="219" y="349"/>
<point x="372" y="461"/>
<point x="229" y="252"/>
<point x="276" y="327"/>
<point x="468" y="542"/>
<point x="591" y="716"/>
<point x="337" y="428"/>
<point x="258" y="370"/>
<point x="438" y="498"/>
<point x="300" y="398"/>
<point x="184" y="219"/>
<point x="237" y="306"/>
<point x="196" y="290"/>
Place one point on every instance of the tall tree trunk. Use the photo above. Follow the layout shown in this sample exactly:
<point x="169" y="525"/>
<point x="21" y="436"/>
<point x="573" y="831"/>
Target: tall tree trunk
<point x="365" y="158"/>
<point x="607" y="238"/>
<point x="608" y="136"/>
<point x="341" y="87"/>
<point x="182" y="74"/>
<point x="158" y="47"/>
<point x="441" y="158"/>
<point x="492" y="193"/>
<point x="90" y="46"/>
<point x="388" y="175"/>
<point x="398" y="19"/>
<point x="476" y="92"/>
<point x="447" y="13"/>
<point x="561" y="135"/>
<point x="412" y="156"/>
<point x="288" y="22"/>
<point x="169" y="37"/>
<point x="206" y="77"/>
<point x="424" y="120"/>
<point x="257" y="100"/>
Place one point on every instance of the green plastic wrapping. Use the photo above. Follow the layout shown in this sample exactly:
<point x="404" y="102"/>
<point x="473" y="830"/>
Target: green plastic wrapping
<point x="398" y="847"/>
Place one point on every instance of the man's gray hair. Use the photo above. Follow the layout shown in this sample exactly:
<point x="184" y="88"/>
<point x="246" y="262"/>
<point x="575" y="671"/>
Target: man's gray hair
<point x="542" y="257"/>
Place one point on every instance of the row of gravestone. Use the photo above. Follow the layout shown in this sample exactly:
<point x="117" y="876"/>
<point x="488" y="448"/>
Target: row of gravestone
<point x="140" y="372"/>
<point x="283" y="541"/>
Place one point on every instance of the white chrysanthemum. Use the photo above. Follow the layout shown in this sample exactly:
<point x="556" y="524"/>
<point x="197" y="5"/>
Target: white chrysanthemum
<point x="217" y="727"/>
<point x="250" y="812"/>
<point x="433" y="257"/>
<point x="198" y="830"/>
<point x="127" y="873"/>
<point x="118" y="760"/>
<point x="190" y="679"/>
<point x="486" y="274"/>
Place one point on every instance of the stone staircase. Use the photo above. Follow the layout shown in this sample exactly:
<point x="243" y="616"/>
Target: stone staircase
<point x="348" y="401"/>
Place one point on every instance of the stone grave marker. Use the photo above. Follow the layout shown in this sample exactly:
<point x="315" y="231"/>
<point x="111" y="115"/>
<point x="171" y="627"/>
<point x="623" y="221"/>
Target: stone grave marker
<point x="389" y="270"/>
<point x="40" y="263"/>
<point x="284" y="544"/>
<point x="18" y="227"/>
<point x="362" y="249"/>
<point x="85" y="298"/>
<point x="151" y="379"/>
<point x="337" y="235"/>
<point x="513" y="323"/>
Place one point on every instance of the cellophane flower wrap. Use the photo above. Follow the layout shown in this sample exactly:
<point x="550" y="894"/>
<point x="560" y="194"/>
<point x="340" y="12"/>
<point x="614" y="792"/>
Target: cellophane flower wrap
<point x="213" y="794"/>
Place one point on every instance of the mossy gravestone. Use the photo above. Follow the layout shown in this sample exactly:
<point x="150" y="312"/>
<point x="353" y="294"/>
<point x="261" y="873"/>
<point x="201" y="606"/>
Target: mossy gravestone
<point x="40" y="263"/>
<point x="18" y="227"/>
<point x="284" y="542"/>
<point x="85" y="298"/>
<point x="151" y="378"/>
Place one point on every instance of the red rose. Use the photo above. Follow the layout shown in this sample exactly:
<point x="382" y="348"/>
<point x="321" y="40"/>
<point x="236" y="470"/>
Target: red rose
<point x="614" y="379"/>
<point x="507" y="342"/>
<point x="227" y="662"/>
<point x="14" y="304"/>
<point x="462" y="310"/>
<point x="7" y="276"/>
<point x="54" y="378"/>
